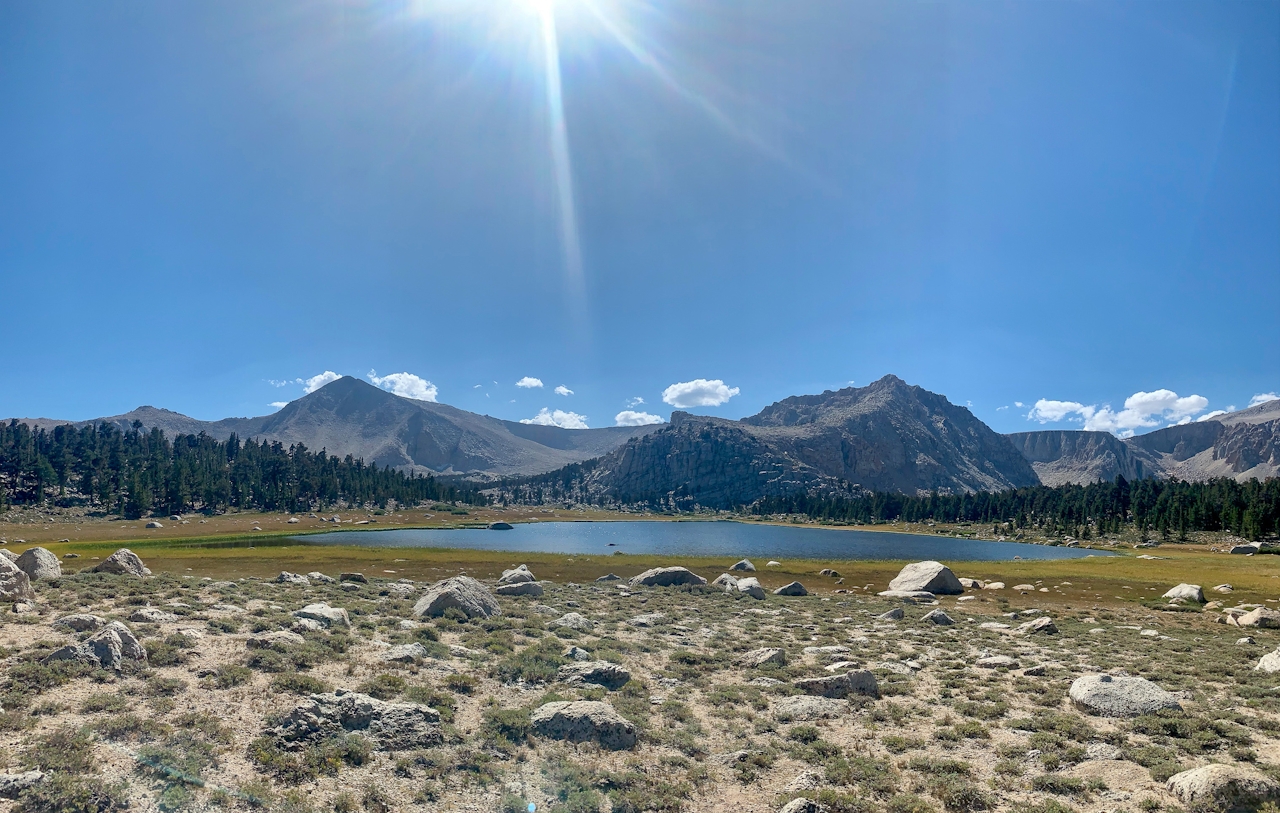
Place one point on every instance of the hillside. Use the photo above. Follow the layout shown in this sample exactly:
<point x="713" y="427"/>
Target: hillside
<point x="888" y="436"/>
<point x="1241" y="445"/>
<point x="352" y="417"/>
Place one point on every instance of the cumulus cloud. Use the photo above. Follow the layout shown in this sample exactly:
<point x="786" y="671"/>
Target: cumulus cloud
<point x="278" y="404"/>
<point x="1208" y="416"/>
<point x="1142" y="410"/>
<point x="1262" y="398"/>
<point x="315" y="382"/>
<point x="1019" y="404"/>
<point x="529" y="382"/>
<point x="563" y="390"/>
<point x="698" y="393"/>
<point x="406" y="385"/>
<point x="629" y="418"/>
<point x="560" y="418"/>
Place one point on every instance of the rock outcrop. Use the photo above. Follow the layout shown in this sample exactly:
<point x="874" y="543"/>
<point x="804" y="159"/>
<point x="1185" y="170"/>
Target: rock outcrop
<point x="666" y="577"/>
<point x="1116" y="696"/>
<point x="584" y="721"/>
<point x="1224" y="787"/>
<point x="110" y="648"/>
<point x="601" y="673"/>
<point x="390" y="726"/>
<point x="840" y="686"/>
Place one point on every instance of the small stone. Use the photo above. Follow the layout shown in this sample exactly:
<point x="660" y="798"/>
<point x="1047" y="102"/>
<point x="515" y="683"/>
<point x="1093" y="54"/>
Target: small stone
<point x="296" y="579"/>
<point x="151" y="615"/>
<point x="938" y="617"/>
<point x="326" y="615"/>
<point x="1043" y="626"/>
<point x="896" y="614"/>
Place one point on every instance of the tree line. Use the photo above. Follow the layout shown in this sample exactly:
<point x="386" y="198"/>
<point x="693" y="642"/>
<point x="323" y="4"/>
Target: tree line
<point x="1170" y="508"/>
<point x="135" y="473"/>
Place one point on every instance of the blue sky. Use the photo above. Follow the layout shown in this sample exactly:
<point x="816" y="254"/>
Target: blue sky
<point x="1005" y="203"/>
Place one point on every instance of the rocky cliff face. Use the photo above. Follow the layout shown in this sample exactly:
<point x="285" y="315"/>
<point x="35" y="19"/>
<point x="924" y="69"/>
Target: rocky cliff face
<point x="888" y="436"/>
<point x="1241" y="445"/>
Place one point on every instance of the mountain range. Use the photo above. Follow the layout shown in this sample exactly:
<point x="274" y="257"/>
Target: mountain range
<point x="887" y="436"/>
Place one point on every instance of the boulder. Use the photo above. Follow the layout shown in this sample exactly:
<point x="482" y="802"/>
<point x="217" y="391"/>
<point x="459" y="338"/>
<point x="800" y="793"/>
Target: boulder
<point x="601" y="673"/>
<point x="1113" y="696"/>
<point x="461" y="592"/>
<point x="993" y="586"/>
<point x="802" y="805"/>
<point x="647" y="620"/>
<point x="909" y="596"/>
<point x="517" y="575"/>
<point x="804" y="708"/>
<point x="743" y="566"/>
<point x="1223" y="787"/>
<point x="896" y="614"/>
<point x="1043" y="625"/>
<point x="151" y="615"/>
<point x="1186" y="592"/>
<point x="325" y="615"/>
<point x="13" y="784"/>
<point x="972" y="584"/>
<point x="404" y="653"/>
<point x="828" y="652"/>
<point x="1252" y="547"/>
<point x="725" y="582"/>
<point x="933" y="577"/>
<point x="1269" y="662"/>
<point x="666" y="577"/>
<point x="123" y="562"/>
<point x="81" y="622"/>
<point x="353" y="577"/>
<point x="826" y="571"/>
<point x="278" y="640"/>
<point x="1261" y="617"/>
<point x="320" y="578"/>
<point x="39" y="563"/>
<point x="609" y="577"/>
<point x="577" y="653"/>
<point x="519" y="589"/>
<point x="501" y="526"/>
<point x="773" y="563"/>
<point x="155" y="524"/>
<point x="15" y="584"/>
<point x="574" y="621"/>
<point x="391" y="726"/>
<point x="1027" y="587"/>
<point x="760" y="657"/>
<point x="1104" y="751"/>
<point x="110" y="648"/>
<point x="5" y="553"/>
<point x="1223" y="588"/>
<point x="996" y="662"/>
<point x="296" y="579"/>
<point x="792" y="589"/>
<point x="584" y="721"/>
<point x="938" y="617"/>
<point x="751" y="586"/>
<point x="840" y="686"/>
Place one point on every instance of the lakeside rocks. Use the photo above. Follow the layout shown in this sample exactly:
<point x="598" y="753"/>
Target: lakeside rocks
<point x="930" y="576"/>
<point x="1115" y="696"/>
<point x="792" y="589"/>
<point x="461" y="592"/>
<point x="295" y="579"/>
<point x="743" y="566"/>
<point x="584" y="721"/>
<point x="391" y="726"/>
<point x="39" y="563"/>
<point x="1185" y="592"/>
<point x="519" y="589"/>
<point x="666" y="577"/>
<point x="518" y="575"/>
<point x="123" y="562"/>
<point x="751" y="586"/>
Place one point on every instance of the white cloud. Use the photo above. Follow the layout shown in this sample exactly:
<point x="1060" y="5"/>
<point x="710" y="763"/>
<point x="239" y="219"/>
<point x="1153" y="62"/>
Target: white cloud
<point x="477" y="386"/>
<point x="529" y="382"/>
<point x="563" y="390"/>
<point x="1208" y="416"/>
<point x="1019" y="404"/>
<point x="634" y="402"/>
<point x="315" y="382"/>
<point x="278" y="404"/>
<point x="276" y="383"/>
<point x="1262" y="398"/>
<point x="1141" y="410"/>
<point x="698" y="393"/>
<point x="628" y="418"/>
<point x="560" y="418"/>
<point x="1002" y="409"/>
<point x="406" y="385"/>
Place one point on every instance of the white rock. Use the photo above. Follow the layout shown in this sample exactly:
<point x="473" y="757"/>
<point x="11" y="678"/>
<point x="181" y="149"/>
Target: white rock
<point x="930" y="576"/>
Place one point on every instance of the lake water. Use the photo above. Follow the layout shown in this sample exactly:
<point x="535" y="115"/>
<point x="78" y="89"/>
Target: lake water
<point x="734" y="539"/>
